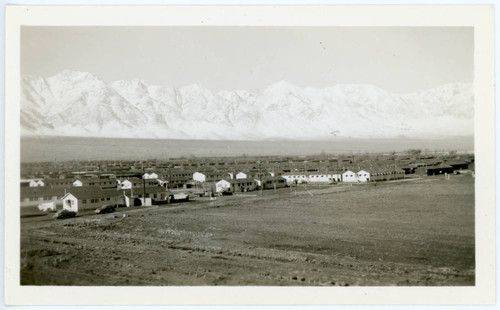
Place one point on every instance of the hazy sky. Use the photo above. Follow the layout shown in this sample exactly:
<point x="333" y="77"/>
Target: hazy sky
<point x="398" y="59"/>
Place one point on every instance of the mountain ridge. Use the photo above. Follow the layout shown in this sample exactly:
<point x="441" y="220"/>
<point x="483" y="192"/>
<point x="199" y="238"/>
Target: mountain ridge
<point x="74" y="103"/>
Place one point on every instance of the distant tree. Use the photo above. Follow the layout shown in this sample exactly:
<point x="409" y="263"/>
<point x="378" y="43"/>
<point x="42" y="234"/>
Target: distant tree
<point x="414" y="152"/>
<point x="323" y="155"/>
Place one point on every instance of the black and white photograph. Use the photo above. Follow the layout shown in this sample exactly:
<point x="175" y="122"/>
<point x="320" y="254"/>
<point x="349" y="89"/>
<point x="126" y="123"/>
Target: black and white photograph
<point x="247" y="156"/>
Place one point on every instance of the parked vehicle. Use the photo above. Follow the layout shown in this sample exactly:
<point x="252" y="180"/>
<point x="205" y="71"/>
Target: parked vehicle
<point x="226" y="193"/>
<point x="105" y="209"/>
<point x="64" y="214"/>
<point x="178" y="197"/>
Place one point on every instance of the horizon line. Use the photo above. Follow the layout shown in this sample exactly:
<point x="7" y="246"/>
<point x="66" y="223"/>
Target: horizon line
<point x="23" y="76"/>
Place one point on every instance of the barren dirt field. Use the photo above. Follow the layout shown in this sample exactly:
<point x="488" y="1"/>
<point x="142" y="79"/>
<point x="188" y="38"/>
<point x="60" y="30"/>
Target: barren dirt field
<point x="418" y="232"/>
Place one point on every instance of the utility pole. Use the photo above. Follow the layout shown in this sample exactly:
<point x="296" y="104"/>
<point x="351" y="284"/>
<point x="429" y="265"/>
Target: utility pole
<point x="274" y="180"/>
<point x="260" y="177"/>
<point x="143" y="186"/>
<point x="169" y="177"/>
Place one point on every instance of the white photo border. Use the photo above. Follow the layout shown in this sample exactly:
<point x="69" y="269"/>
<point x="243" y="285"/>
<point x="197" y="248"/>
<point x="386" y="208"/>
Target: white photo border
<point x="478" y="16"/>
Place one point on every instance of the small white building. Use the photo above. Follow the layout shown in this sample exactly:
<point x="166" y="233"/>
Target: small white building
<point x="295" y="178"/>
<point x="89" y="197"/>
<point x="222" y="186"/>
<point x="242" y="175"/>
<point x="199" y="177"/>
<point x="289" y="178"/>
<point x="145" y="196"/>
<point x="77" y="183"/>
<point x="151" y="175"/>
<point x="37" y="183"/>
<point x="349" y="176"/>
<point x="363" y="176"/>
<point x="125" y="184"/>
<point x="135" y="182"/>
<point x="72" y="203"/>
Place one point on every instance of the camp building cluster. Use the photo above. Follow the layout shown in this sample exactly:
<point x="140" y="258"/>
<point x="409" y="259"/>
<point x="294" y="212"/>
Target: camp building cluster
<point x="77" y="186"/>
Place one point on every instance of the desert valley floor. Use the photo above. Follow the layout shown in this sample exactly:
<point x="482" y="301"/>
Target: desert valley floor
<point x="408" y="232"/>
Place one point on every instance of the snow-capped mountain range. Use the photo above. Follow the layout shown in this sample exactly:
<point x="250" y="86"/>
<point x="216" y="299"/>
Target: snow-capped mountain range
<point x="80" y="104"/>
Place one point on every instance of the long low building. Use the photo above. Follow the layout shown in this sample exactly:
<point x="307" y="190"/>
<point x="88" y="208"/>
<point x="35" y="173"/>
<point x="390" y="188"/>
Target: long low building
<point x="373" y="174"/>
<point x="323" y="178"/>
<point x="101" y="182"/>
<point x="388" y="175"/>
<point x="32" y="182"/>
<point x="435" y="170"/>
<point x="92" y="197"/>
<point x="137" y="197"/>
<point x="34" y="196"/>
<point x="270" y="182"/>
<point x="348" y="176"/>
<point x="235" y="185"/>
<point x="136" y="183"/>
<point x="208" y="176"/>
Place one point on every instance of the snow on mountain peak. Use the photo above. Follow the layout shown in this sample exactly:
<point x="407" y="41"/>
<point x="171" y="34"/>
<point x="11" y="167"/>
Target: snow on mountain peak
<point x="72" y="75"/>
<point x="80" y="104"/>
<point x="282" y="87"/>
